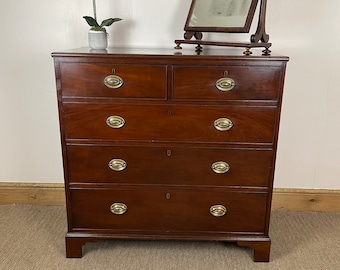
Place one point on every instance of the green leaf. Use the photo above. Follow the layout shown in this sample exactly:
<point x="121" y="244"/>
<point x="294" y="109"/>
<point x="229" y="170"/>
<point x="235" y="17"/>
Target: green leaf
<point x="110" y="21"/>
<point x="91" y="21"/>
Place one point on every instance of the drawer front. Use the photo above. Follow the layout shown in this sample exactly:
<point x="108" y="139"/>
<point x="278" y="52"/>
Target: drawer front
<point x="170" y="123"/>
<point x="169" y="165"/>
<point x="137" y="81"/>
<point x="249" y="82"/>
<point x="168" y="209"/>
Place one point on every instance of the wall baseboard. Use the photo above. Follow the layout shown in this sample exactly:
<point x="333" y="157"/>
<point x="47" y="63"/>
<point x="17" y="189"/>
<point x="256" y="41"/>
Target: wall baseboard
<point x="32" y="193"/>
<point x="306" y="200"/>
<point x="283" y="199"/>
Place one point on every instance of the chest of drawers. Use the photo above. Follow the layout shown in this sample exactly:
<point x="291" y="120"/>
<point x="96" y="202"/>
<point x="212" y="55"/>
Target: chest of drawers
<point x="167" y="145"/>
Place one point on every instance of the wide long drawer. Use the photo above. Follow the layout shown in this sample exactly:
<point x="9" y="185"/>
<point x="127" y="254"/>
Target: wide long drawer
<point x="113" y="80"/>
<point x="226" y="82"/>
<point x="168" y="210"/>
<point x="169" y="165"/>
<point x="170" y="123"/>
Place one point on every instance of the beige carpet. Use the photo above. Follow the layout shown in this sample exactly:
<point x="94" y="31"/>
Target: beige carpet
<point x="32" y="237"/>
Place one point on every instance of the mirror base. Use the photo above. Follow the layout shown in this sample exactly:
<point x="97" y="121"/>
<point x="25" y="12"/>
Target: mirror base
<point x="246" y="45"/>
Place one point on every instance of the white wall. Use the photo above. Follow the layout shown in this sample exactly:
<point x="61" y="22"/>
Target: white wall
<point x="309" y="149"/>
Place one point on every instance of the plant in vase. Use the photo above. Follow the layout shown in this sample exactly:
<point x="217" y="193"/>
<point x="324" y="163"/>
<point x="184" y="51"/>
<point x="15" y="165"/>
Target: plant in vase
<point x="97" y="33"/>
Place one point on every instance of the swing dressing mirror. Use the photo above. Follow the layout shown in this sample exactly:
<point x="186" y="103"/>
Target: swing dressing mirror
<point x="225" y="16"/>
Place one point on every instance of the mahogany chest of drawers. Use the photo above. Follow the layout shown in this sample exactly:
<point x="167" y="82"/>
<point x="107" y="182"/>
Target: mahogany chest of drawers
<point x="169" y="145"/>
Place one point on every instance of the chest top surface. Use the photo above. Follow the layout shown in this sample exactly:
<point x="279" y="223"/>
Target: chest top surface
<point x="226" y="53"/>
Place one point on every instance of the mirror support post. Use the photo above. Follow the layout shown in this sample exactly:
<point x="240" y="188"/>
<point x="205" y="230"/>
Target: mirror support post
<point x="260" y="33"/>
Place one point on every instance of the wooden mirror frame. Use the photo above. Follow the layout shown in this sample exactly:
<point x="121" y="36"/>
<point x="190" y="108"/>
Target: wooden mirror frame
<point x="221" y="28"/>
<point x="259" y="39"/>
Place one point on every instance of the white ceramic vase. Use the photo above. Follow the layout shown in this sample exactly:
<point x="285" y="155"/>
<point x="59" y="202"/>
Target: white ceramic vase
<point x="97" y="40"/>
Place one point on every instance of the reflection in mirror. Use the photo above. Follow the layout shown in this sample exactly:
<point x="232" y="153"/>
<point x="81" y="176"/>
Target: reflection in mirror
<point x="220" y="13"/>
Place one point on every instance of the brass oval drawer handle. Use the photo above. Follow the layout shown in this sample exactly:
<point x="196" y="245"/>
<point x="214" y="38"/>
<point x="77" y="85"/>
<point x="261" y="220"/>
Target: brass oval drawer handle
<point x="220" y="167"/>
<point x="113" y="81"/>
<point x="117" y="164"/>
<point x="115" y="121"/>
<point x="218" y="210"/>
<point x="225" y="84"/>
<point x="118" y="208"/>
<point x="223" y="124"/>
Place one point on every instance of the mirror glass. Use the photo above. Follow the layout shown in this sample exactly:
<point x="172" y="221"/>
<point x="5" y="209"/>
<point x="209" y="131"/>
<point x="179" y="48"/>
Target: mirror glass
<point x="221" y="15"/>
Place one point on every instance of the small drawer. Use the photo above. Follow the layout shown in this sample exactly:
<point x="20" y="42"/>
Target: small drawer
<point x="218" y="83"/>
<point x="234" y="124"/>
<point x="168" y="210"/>
<point x="113" y="80"/>
<point x="170" y="165"/>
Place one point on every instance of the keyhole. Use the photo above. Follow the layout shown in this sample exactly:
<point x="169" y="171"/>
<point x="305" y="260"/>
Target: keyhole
<point x="168" y="153"/>
<point x="168" y="195"/>
<point x="169" y="112"/>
